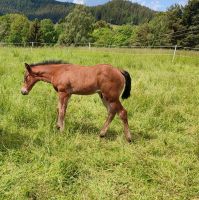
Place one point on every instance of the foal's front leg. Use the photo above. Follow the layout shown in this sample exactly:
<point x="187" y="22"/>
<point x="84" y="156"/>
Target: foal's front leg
<point x="62" y="105"/>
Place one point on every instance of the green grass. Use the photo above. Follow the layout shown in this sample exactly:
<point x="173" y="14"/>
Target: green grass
<point x="37" y="162"/>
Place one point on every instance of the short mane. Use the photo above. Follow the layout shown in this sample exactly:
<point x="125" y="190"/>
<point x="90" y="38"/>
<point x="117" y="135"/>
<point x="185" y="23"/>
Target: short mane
<point x="49" y="62"/>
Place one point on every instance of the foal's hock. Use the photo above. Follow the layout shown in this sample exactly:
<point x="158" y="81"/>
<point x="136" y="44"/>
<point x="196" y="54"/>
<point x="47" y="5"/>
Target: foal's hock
<point x="68" y="79"/>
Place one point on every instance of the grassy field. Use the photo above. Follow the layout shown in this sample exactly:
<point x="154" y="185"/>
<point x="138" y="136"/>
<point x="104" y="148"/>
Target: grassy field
<point x="37" y="162"/>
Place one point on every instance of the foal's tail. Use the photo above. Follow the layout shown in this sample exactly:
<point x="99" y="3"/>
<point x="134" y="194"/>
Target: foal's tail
<point x="127" y="90"/>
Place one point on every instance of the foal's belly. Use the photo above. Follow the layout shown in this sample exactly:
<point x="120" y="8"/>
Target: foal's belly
<point x="86" y="92"/>
<point x="83" y="90"/>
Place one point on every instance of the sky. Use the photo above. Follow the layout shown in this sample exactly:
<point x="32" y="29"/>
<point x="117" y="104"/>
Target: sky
<point x="159" y="5"/>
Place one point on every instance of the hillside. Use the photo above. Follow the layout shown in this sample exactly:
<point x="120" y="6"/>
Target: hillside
<point x="115" y="12"/>
<point x="40" y="9"/>
<point x="122" y="12"/>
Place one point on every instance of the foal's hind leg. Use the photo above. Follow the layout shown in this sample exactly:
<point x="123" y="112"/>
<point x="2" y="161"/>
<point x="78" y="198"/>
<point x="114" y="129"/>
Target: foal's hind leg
<point x="104" y="101"/>
<point x="109" y="119"/>
<point x="111" y="115"/>
<point x="123" y="116"/>
<point x="113" y="108"/>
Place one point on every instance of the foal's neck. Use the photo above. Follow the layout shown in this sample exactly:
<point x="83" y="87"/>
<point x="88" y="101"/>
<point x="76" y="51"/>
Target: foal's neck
<point x="45" y="73"/>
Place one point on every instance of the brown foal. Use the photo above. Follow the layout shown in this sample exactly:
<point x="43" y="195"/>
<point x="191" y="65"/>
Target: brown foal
<point x="68" y="79"/>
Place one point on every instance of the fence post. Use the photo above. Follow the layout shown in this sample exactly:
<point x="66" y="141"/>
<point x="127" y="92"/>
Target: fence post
<point x="89" y="46"/>
<point x="174" y="53"/>
<point x="32" y="45"/>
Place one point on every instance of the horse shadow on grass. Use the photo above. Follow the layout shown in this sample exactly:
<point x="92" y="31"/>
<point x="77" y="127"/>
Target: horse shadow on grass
<point x="141" y="135"/>
<point x="91" y="129"/>
<point x="11" y="140"/>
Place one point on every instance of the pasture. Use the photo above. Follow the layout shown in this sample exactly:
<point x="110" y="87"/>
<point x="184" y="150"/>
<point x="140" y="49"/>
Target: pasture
<point x="162" y="162"/>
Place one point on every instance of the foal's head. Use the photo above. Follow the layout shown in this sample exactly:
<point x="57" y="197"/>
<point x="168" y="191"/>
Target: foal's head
<point x="30" y="78"/>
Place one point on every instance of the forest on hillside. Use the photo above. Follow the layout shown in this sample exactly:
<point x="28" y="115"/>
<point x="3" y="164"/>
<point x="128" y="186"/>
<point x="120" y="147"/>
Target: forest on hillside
<point x="177" y="26"/>
<point x="122" y="12"/>
<point x="40" y="9"/>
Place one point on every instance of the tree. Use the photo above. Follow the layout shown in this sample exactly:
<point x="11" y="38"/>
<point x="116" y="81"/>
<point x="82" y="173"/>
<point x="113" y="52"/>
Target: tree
<point x="159" y="31"/>
<point x="14" y="28"/>
<point x="101" y="24"/>
<point x="122" y="35"/>
<point x="18" y="29"/>
<point x="191" y="21"/>
<point x="191" y="13"/>
<point x="103" y="36"/>
<point x="35" y="32"/>
<point x="175" y="25"/>
<point x="48" y="33"/>
<point x="142" y="35"/>
<point x="4" y="27"/>
<point x="78" y="26"/>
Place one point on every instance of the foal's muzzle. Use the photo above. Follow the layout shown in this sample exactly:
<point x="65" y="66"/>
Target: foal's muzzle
<point x="24" y="91"/>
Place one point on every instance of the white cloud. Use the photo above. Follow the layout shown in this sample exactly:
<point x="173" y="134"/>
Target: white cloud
<point x="79" y="1"/>
<point x="155" y="5"/>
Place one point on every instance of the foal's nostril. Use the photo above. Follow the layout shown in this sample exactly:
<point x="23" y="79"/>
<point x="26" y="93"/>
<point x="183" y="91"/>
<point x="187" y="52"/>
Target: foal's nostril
<point x="24" y="92"/>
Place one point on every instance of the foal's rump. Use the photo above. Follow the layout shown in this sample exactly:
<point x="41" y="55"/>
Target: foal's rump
<point x="112" y="82"/>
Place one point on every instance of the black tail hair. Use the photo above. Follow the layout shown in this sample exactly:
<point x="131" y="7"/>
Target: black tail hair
<point x="127" y="90"/>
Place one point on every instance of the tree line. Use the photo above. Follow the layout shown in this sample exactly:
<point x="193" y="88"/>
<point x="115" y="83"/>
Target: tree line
<point x="177" y="26"/>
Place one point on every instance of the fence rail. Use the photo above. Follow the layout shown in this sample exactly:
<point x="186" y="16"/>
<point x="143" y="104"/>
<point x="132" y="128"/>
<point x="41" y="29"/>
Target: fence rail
<point x="40" y="44"/>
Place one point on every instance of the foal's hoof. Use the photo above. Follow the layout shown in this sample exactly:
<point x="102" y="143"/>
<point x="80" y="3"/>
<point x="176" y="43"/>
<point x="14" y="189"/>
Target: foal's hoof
<point x="102" y="134"/>
<point x="61" y="129"/>
<point x="129" y="139"/>
<point x="58" y="127"/>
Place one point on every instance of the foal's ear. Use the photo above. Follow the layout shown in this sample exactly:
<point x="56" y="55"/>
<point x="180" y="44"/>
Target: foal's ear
<point x="27" y="66"/>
